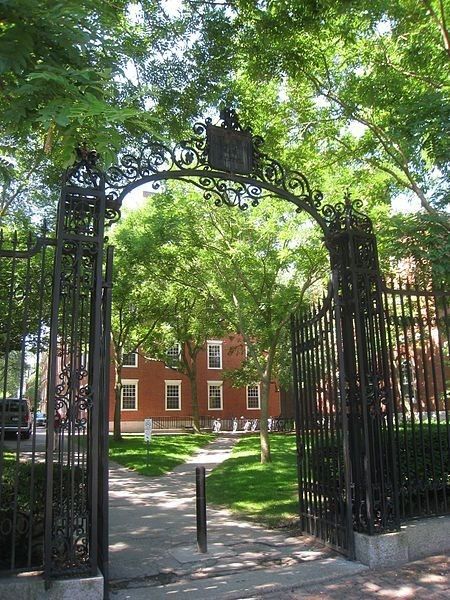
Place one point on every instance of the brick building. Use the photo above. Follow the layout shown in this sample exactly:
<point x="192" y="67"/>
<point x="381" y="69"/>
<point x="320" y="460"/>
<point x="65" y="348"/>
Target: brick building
<point x="151" y="389"/>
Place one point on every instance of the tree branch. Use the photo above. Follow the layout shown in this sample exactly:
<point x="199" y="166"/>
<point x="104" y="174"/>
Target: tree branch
<point x="441" y="23"/>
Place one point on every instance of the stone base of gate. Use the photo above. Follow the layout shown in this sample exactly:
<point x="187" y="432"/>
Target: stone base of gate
<point x="415" y="540"/>
<point x="31" y="586"/>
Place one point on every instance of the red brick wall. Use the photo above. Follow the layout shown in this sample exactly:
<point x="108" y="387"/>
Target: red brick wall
<point x="151" y="377"/>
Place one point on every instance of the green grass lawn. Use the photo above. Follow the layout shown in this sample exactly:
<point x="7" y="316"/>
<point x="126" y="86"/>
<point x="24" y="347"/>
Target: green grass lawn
<point x="264" y="493"/>
<point x="166" y="451"/>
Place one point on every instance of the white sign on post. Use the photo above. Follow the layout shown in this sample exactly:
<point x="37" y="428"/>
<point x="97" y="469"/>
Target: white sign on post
<point x="148" y="426"/>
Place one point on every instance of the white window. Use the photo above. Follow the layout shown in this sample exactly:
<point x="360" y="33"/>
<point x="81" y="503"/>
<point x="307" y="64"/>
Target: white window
<point x="173" y="355"/>
<point x="130" y="359"/>
<point x="129" y="396"/>
<point x="173" y="395"/>
<point x="215" y="395"/>
<point x="253" y="396"/>
<point x="214" y="355"/>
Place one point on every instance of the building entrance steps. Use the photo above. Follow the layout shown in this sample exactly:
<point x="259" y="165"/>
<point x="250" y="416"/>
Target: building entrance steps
<point x="153" y="551"/>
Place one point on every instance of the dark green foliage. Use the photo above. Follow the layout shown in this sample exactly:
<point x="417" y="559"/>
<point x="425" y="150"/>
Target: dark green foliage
<point x="22" y="506"/>
<point x="424" y="461"/>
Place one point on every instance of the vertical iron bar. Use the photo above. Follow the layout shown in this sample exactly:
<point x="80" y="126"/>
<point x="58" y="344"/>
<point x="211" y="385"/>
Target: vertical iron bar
<point x="423" y="405"/>
<point x="94" y="359"/>
<point x="342" y="325"/>
<point x="304" y="383"/>
<point x="311" y="429"/>
<point x="397" y="387"/>
<point x="297" y="405"/>
<point x="428" y="379"/>
<point x="23" y="349"/>
<point x="103" y="504"/>
<point x="329" y="499"/>
<point x="412" y="409"/>
<point x="434" y="413"/>
<point x="318" y="415"/>
<point x="306" y="458"/>
<point x="334" y="426"/>
<point x="51" y="383"/>
<point x="442" y="362"/>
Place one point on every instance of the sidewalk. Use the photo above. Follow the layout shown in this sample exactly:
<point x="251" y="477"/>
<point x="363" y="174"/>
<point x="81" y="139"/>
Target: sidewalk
<point x="153" y="551"/>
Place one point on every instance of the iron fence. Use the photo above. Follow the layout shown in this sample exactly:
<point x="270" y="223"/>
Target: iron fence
<point x="242" y="424"/>
<point x="26" y="283"/>
<point x="418" y="322"/>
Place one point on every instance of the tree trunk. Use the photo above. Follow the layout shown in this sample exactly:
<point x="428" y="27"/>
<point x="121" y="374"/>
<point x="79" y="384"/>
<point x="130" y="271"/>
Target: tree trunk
<point x="117" y="436"/>
<point x="264" y="433"/>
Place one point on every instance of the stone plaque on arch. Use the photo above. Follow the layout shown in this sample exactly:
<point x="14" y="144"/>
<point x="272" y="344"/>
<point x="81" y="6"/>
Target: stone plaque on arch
<point x="230" y="150"/>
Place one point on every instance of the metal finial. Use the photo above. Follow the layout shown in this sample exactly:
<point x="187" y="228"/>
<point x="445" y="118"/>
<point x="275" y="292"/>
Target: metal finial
<point x="84" y="154"/>
<point x="347" y="198"/>
<point x="230" y="118"/>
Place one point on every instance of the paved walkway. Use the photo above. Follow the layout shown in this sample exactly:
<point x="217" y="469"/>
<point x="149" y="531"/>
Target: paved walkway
<point x="153" y="549"/>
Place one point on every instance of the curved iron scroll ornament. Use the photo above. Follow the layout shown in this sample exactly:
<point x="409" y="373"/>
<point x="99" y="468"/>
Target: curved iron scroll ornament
<point x="191" y="160"/>
<point x="347" y="215"/>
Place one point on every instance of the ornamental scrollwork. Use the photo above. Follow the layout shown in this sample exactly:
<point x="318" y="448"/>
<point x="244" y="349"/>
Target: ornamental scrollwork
<point x="346" y="216"/>
<point x="189" y="159"/>
<point x="84" y="172"/>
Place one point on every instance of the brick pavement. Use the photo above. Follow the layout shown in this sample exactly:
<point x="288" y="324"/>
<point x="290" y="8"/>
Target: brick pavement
<point x="427" y="578"/>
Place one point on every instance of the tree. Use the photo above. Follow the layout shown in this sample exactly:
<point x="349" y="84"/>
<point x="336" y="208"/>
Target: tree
<point x="364" y="86"/>
<point x="12" y="373"/>
<point x="136" y="313"/>
<point x="218" y="269"/>
<point x="159" y="241"/>
<point x="73" y="71"/>
<point x="61" y="67"/>
<point x="270" y="258"/>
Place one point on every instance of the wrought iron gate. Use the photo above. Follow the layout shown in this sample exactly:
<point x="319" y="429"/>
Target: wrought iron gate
<point x="53" y="493"/>
<point x="322" y="428"/>
<point x="25" y="300"/>
<point x="53" y="487"/>
<point x="372" y="457"/>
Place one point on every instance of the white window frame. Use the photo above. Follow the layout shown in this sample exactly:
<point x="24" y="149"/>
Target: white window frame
<point x="176" y="382"/>
<point x="218" y="384"/>
<point x="258" y="387"/>
<point x="176" y="358"/>
<point x="135" y="354"/>
<point x="208" y="346"/>
<point x="134" y="382"/>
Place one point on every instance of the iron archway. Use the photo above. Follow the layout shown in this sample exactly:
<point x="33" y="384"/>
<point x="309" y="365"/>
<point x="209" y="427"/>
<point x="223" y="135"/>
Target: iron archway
<point x="227" y="164"/>
<point x="192" y="161"/>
